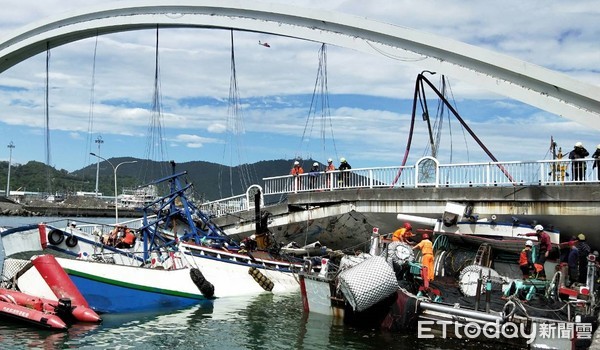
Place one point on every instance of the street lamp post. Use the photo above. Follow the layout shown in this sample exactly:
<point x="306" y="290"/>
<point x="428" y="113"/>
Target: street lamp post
<point x="115" y="175"/>
<point x="99" y="141"/>
<point x="10" y="146"/>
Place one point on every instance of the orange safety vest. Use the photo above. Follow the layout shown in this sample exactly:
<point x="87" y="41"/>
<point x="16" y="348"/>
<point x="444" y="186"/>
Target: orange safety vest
<point x="297" y="171"/>
<point x="398" y="234"/>
<point x="129" y="237"/>
<point x="426" y="247"/>
<point x="524" y="259"/>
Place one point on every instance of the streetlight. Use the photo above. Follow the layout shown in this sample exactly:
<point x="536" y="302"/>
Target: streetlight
<point x="115" y="173"/>
<point x="99" y="141"/>
<point x="10" y="146"/>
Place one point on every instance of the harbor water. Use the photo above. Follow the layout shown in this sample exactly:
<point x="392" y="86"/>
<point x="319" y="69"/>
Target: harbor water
<point x="262" y="321"/>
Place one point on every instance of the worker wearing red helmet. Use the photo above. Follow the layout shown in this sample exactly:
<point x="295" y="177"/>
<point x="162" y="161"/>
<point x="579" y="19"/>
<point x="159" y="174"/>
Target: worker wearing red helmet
<point x="427" y="255"/>
<point x="403" y="233"/>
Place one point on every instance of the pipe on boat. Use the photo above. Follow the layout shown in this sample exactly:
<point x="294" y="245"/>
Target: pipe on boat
<point x="417" y="219"/>
<point x="450" y="310"/>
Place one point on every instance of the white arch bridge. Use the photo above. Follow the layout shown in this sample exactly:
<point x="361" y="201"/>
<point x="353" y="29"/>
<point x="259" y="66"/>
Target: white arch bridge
<point x="545" y="89"/>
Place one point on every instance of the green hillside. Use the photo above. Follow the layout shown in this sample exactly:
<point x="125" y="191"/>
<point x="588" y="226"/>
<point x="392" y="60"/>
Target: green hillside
<point x="211" y="181"/>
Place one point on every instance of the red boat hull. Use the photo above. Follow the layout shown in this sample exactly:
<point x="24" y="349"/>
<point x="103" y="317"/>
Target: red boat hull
<point x="26" y="314"/>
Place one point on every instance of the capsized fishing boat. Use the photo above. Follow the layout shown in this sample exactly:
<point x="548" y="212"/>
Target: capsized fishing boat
<point x="39" y="292"/>
<point x="172" y="234"/>
<point x="389" y="288"/>
<point x="460" y="224"/>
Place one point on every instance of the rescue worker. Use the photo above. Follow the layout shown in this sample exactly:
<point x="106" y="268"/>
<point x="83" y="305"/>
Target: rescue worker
<point x="427" y="255"/>
<point x="526" y="260"/>
<point x="127" y="240"/>
<point x="344" y="175"/>
<point x="330" y="166"/>
<point x="584" y="250"/>
<point x="578" y="166"/>
<point x="314" y="176"/>
<point x="113" y="236"/>
<point x="328" y="169"/>
<point x="596" y="165"/>
<point x="403" y="233"/>
<point x="296" y="172"/>
<point x="543" y="248"/>
<point x="573" y="261"/>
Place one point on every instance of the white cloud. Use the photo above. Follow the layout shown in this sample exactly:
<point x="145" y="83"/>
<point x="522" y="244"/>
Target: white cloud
<point x="275" y="84"/>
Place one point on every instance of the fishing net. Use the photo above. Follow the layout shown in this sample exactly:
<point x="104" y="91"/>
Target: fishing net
<point x="368" y="283"/>
<point x="11" y="267"/>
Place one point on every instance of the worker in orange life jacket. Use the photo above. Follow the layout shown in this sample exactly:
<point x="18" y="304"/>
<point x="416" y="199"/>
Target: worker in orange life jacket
<point x="525" y="259"/>
<point x="296" y="172"/>
<point x="128" y="239"/>
<point x="427" y="259"/>
<point x="403" y="233"/>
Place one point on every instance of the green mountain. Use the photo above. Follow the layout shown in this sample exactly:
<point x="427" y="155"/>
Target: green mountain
<point x="211" y="181"/>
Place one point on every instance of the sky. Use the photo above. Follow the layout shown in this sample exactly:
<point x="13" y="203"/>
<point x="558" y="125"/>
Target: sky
<point x="103" y="89"/>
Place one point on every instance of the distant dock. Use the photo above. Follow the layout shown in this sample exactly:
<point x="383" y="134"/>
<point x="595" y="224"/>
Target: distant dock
<point x="82" y="212"/>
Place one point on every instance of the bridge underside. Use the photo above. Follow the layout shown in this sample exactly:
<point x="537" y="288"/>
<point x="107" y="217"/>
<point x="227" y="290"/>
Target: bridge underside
<point x="343" y="219"/>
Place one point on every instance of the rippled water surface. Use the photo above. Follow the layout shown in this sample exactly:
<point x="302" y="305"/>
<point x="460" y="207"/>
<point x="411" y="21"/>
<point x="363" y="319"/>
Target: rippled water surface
<point x="261" y="322"/>
<point x="264" y="321"/>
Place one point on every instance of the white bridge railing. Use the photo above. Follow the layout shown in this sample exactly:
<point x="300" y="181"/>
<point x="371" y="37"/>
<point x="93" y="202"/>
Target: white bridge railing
<point x="427" y="172"/>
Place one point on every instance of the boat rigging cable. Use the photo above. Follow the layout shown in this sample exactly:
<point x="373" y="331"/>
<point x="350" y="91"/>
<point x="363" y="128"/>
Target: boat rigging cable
<point x="90" y="128"/>
<point x="155" y="144"/>
<point x="419" y="96"/>
<point x="320" y="99"/>
<point x="235" y="130"/>
<point x="47" y="122"/>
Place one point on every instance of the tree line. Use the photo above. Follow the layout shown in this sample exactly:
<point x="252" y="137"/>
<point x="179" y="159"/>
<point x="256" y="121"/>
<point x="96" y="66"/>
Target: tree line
<point x="211" y="181"/>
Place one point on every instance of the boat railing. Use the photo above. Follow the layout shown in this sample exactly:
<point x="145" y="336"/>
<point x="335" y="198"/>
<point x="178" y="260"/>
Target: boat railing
<point x="427" y="172"/>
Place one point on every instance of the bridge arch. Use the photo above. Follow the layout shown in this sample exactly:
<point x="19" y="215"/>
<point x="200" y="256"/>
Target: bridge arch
<point x="543" y="88"/>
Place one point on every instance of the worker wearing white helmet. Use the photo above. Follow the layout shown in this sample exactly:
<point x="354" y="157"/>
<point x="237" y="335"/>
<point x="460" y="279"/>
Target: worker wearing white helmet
<point x="526" y="260"/>
<point x="315" y="177"/>
<point x="344" y="180"/>
<point x="578" y="165"/>
<point x="296" y="169"/>
<point x="596" y="165"/>
<point x="544" y="247"/>
<point x="296" y="172"/>
<point x="330" y="167"/>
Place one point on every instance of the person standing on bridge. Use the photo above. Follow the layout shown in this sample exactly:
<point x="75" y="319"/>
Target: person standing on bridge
<point x="578" y="166"/>
<point x="596" y="165"/>
<point x="328" y="172"/>
<point x="296" y="172"/>
<point x="344" y="174"/>
<point x="315" y="173"/>
<point x="543" y="248"/>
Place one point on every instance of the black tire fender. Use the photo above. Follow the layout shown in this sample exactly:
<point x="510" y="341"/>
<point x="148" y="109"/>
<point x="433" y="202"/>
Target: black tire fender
<point x="71" y="241"/>
<point x="56" y="237"/>
<point x="205" y="287"/>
